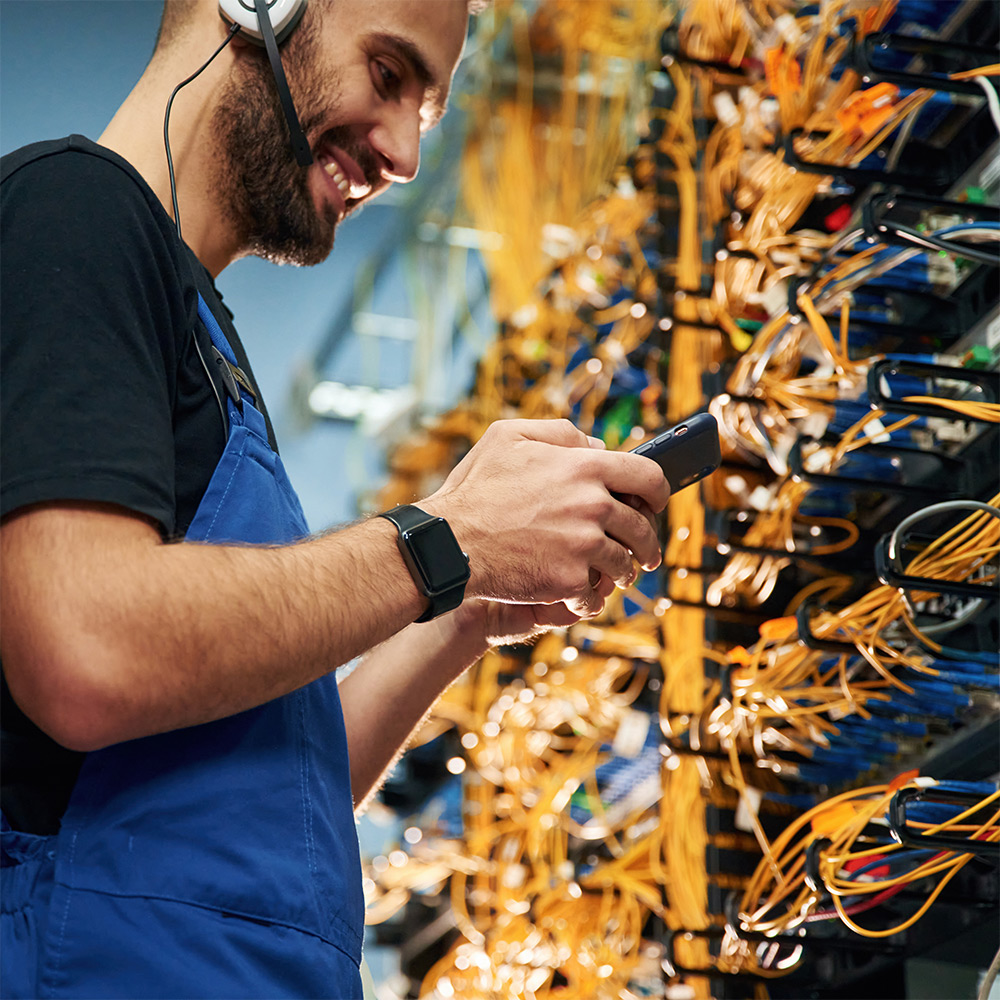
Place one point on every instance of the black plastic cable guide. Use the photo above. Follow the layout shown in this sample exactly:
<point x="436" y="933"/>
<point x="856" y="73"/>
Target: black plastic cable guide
<point x="872" y="832"/>
<point x="891" y="575"/>
<point x="794" y="285"/>
<point x="804" y="625"/>
<point x="951" y="469"/>
<point x="681" y="745"/>
<point x="810" y="945"/>
<point x="959" y="56"/>
<point x="799" y="555"/>
<point x="901" y="830"/>
<point x="667" y="283"/>
<point x="876" y="205"/>
<point x="670" y="47"/>
<point x="987" y="382"/>
<point x="876" y="226"/>
<point x="860" y="177"/>
<point x="920" y="312"/>
<point x="720" y="612"/>
<point x="713" y="934"/>
<point x="810" y="872"/>
<point x="693" y="324"/>
<point x="924" y="308"/>
<point x="686" y="750"/>
<point x="878" y="835"/>
<point x="926" y="314"/>
<point x="756" y="550"/>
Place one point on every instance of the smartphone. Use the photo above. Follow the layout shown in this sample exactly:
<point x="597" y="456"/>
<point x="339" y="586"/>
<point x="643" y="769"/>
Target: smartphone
<point x="687" y="453"/>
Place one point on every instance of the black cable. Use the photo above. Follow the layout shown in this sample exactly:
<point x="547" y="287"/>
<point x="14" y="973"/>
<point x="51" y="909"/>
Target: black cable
<point x="177" y="213"/>
<point x="166" y="125"/>
<point x="211" y="382"/>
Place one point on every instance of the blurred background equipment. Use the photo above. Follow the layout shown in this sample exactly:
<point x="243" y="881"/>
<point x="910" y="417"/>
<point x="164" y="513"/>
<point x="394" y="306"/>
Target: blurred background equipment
<point x="769" y="769"/>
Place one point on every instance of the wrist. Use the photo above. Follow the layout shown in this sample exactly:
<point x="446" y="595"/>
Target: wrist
<point x="465" y="629"/>
<point x="468" y="534"/>
<point x="436" y="563"/>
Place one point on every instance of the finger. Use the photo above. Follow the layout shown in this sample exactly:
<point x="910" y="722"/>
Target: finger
<point x="611" y="565"/>
<point x="634" y="532"/>
<point x="554" y="616"/>
<point x="590" y="602"/>
<point x="641" y="507"/>
<point x="624" y="473"/>
<point x="585" y="607"/>
<point x="560" y="432"/>
<point x="603" y="586"/>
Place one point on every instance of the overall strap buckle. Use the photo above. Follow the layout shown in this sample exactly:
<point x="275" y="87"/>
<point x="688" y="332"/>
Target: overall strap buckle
<point x="233" y="377"/>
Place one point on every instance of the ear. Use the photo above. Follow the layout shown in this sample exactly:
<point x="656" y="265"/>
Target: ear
<point x="241" y="42"/>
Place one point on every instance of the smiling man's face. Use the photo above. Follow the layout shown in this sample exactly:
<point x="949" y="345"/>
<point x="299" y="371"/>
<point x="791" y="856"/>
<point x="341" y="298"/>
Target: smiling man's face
<point x="368" y="79"/>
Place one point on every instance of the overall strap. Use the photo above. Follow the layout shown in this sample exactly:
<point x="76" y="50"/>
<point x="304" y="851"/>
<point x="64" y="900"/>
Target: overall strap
<point x="233" y="377"/>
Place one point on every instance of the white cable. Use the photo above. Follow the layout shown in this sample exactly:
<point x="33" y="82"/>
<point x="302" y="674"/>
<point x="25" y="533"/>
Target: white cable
<point x="991" y="99"/>
<point x="990" y="978"/>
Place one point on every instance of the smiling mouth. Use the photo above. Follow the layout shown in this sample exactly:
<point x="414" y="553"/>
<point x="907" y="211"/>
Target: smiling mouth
<point x="349" y="189"/>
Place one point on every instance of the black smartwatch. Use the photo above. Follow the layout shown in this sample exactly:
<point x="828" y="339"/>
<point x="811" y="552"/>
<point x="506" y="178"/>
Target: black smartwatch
<point x="439" y="567"/>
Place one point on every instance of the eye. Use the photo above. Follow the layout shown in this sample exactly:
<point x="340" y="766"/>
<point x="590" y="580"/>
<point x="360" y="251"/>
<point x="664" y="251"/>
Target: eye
<point x="388" y="79"/>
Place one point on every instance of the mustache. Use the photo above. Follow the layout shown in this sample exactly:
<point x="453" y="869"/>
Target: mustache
<point x="362" y="154"/>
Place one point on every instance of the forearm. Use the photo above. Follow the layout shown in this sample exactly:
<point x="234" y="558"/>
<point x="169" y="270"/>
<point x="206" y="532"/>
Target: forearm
<point x="108" y="634"/>
<point x="387" y="696"/>
<point x="143" y="637"/>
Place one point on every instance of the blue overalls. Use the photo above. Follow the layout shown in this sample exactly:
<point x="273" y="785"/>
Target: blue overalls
<point x="216" y="861"/>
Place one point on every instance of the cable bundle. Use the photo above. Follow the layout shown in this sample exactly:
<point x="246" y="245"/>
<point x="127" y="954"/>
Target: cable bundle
<point x="849" y="852"/>
<point x="613" y="784"/>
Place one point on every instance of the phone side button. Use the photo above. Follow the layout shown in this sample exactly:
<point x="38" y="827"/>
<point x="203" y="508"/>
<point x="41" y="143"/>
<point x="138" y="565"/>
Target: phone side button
<point x="643" y="448"/>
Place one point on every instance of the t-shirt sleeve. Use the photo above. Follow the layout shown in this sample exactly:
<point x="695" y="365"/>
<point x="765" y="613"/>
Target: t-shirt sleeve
<point x="93" y="310"/>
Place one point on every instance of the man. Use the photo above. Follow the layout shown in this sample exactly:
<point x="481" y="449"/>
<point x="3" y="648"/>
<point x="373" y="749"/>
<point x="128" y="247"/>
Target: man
<point x="179" y="763"/>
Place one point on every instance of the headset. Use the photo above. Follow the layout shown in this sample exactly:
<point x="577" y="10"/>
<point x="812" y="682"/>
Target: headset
<point x="252" y="19"/>
<point x="269" y="23"/>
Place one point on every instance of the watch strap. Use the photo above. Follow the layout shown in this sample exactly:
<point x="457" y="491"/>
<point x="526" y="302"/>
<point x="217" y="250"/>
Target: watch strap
<point x="443" y="598"/>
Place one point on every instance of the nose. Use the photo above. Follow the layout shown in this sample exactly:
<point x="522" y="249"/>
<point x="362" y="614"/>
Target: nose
<point x="396" y="139"/>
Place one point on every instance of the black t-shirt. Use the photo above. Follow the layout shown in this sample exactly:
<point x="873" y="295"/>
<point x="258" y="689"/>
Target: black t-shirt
<point x="103" y="395"/>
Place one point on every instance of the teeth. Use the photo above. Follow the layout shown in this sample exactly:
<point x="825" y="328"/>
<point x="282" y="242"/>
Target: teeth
<point x="343" y="185"/>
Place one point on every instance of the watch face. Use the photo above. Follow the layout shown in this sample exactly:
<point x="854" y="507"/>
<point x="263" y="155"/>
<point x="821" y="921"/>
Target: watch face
<point x="437" y="555"/>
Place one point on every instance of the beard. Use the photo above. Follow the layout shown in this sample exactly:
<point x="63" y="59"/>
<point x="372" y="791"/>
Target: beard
<point x="263" y="192"/>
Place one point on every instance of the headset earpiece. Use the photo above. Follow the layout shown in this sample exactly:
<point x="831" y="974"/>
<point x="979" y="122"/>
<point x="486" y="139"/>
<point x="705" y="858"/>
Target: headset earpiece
<point x="284" y="16"/>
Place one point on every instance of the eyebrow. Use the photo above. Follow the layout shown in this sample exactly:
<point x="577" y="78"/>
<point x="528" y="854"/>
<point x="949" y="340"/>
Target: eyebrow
<point x="436" y="94"/>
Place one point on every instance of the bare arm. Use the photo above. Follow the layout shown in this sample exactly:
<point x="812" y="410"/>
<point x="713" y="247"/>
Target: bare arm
<point x="390" y="692"/>
<point x="108" y="634"/>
